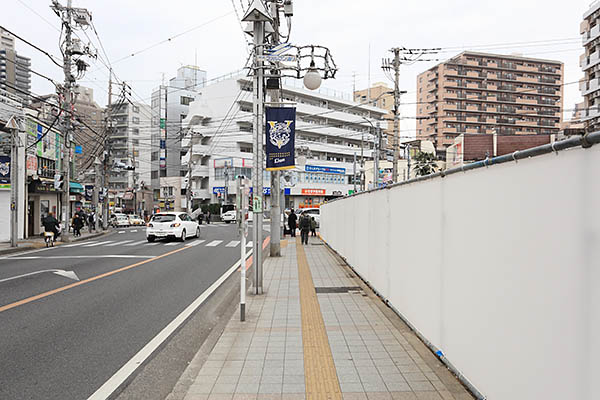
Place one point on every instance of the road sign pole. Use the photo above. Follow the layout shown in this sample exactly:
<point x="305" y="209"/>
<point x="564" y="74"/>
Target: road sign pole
<point x="14" y="189"/>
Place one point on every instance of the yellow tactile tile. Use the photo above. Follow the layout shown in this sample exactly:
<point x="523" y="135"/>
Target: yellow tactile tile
<point x="320" y="375"/>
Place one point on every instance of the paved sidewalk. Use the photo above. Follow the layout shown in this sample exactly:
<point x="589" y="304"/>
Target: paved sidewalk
<point x="336" y="342"/>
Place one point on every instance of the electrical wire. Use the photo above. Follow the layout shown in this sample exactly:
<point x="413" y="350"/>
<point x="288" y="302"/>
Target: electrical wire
<point x="50" y="56"/>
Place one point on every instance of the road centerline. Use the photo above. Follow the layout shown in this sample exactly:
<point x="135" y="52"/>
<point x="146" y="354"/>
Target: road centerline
<point x="88" y="280"/>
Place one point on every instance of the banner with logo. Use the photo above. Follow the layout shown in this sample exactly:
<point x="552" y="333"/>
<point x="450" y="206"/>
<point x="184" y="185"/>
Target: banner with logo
<point x="5" y="172"/>
<point x="89" y="192"/>
<point x="280" y="134"/>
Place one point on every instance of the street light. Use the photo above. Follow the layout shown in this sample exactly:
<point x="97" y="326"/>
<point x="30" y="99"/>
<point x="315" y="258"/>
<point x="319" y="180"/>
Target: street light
<point x="312" y="78"/>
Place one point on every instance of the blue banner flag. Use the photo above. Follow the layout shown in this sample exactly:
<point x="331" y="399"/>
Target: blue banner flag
<point x="280" y="133"/>
<point x="89" y="192"/>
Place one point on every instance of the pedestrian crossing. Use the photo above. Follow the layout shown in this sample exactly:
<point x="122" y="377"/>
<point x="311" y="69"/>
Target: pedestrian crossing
<point x="143" y="243"/>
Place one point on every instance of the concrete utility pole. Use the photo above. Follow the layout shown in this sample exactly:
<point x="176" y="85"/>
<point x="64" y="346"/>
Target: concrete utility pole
<point x="67" y="98"/>
<point x="396" y="66"/>
<point x="226" y="187"/>
<point x="354" y="174"/>
<point x="188" y="192"/>
<point x="14" y="181"/>
<point x="97" y="189"/>
<point x="376" y="161"/>
<point x="258" y="15"/>
<point x="275" y="244"/>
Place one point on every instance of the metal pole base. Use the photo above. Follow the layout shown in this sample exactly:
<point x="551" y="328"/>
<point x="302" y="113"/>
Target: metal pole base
<point x="242" y="312"/>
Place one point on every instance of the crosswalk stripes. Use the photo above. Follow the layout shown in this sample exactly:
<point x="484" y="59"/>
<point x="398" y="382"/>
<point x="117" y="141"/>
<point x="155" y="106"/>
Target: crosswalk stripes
<point x="214" y="243"/>
<point x="233" y="243"/>
<point x="79" y="244"/>
<point x="121" y="232"/>
<point x="98" y="244"/>
<point x="118" y="243"/>
<point x="195" y="243"/>
<point x="136" y="243"/>
<point x="171" y="244"/>
<point x="152" y="244"/>
<point x="249" y="244"/>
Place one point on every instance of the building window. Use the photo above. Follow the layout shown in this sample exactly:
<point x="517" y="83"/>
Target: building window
<point x="136" y="109"/>
<point x="185" y="100"/>
<point x="136" y="120"/>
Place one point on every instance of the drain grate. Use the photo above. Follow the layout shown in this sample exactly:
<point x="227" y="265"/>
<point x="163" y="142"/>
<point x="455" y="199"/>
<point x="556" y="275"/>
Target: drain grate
<point x="337" y="289"/>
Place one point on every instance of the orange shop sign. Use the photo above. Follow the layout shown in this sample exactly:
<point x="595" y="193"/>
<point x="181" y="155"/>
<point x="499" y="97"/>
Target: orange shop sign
<point x="313" y="192"/>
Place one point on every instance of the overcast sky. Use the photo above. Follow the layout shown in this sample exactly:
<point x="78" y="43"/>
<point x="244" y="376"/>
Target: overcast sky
<point x="348" y="28"/>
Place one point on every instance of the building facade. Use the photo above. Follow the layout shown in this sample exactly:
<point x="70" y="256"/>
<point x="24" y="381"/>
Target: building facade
<point x="479" y="93"/>
<point x="129" y="144"/>
<point x="382" y="97"/>
<point x="169" y="107"/>
<point x="329" y="132"/>
<point x="590" y="63"/>
<point x="15" y="70"/>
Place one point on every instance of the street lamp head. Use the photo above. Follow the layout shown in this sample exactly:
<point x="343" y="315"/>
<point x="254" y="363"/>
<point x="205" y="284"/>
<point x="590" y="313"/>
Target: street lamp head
<point x="312" y="78"/>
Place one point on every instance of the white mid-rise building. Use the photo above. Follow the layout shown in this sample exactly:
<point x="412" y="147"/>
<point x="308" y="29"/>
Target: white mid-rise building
<point x="330" y="130"/>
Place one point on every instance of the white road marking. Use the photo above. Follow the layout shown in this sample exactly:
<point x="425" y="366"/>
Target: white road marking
<point x="121" y="231"/>
<point x="249" y="244"/>
<point x="136" y="243"/>
<point x="118" y="243"/>
<point x="66" y="274"/>
<point x="79" y="244"/>
<point x="171" y="244"/>
<point x="195" y="243"/>
<point x="133" y="230"/>
<point x="121" y="376"/>
<point x="67" y="257"/>
<point x="152" y="244"/>
<point x="233" y="243"/>
<point x="214" y="243"/>
<point x="98" y="244"/>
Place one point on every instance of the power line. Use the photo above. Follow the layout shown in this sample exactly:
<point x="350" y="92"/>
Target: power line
<point x="50" y="56"/>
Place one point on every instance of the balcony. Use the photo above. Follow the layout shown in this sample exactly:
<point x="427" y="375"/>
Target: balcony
<point x="591" y="34"/>
<point x="547" y="90"/>
<point x="546" y="102"/>
<point x="590" y="86"/>
<point x="547" y="79"/>
<point x="589" y="61"/>
<point x="200" y="171"/>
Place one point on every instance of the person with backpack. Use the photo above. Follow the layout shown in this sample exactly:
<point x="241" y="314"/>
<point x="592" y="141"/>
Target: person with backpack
<point x="304" y="228"/>
<point x="292" y="222"/>
<point x="313" y="226"/>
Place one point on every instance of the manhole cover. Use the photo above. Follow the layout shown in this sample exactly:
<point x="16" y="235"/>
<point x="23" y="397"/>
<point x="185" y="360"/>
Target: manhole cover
<point x="337" y="289"/>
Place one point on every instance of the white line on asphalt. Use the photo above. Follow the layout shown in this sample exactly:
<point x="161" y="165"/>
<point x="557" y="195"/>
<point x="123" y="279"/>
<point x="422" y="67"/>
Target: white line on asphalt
<point x="136" y="243"/>
<point x="171" y="244"/>
<point x="133" y="230"/>
<point x="152" y="244"/>
<point x="233" y="243"/>
<point x="79" y="244"/>
<point x="118" y="243"/>
<point x="195" y="243"/>
<point x="214" y="243"/>
<point x="97" y="244"/>
<point x="121" y="376"/>
<point x="121" y="231"/>
<point x="90" y="256"/>
<point x="249" y="244"/>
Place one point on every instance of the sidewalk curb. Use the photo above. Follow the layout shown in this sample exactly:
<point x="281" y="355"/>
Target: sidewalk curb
<point x="41" y="245"/>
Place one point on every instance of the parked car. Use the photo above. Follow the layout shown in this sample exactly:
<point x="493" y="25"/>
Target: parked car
<point x="175" y="225"/>
<point x="313" y="212"/>
<point x="136" y="220"/>
<point x="121" y="221"/>
<point x="228" y="216"/>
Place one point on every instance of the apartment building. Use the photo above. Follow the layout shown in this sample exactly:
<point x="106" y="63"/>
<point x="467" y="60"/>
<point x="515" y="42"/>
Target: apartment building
<point x="590" y="63"/>
<point x="330" y="130"/>
<point x="169" y="107"/>
<point x="480" y="93"/>
<point x="129" y="144"/>
<point x="15" y="70"/>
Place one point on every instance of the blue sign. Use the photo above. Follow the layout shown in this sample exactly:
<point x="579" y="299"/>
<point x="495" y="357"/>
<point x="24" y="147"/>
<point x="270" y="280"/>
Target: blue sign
<point x="287" y="191"/>
<point x="266" y="190"/>
<point x="78" y="150"/>
<point x="280" y="133"/>
<point x="218" y="189"/>
<point x="330" y="170"/>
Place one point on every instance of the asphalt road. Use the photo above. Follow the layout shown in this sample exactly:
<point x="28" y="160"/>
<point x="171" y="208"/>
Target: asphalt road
<point x="62" y="339"/>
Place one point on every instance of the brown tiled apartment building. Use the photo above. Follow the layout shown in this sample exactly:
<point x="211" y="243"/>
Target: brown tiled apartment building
<point x="479" y="93"/>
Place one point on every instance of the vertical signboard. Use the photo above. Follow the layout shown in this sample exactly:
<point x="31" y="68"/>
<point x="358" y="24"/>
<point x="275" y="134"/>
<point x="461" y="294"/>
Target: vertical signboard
<point x="280" y="133"/>
<point x="4" y="172"/>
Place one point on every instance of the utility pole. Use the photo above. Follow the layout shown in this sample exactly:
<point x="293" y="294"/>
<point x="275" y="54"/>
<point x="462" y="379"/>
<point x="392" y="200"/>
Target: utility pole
<point x="67" y="98"/>
<point x="376" y="162"/>
<point x="14" y="181"/>
<point x="275" y="244"/>
<point x="396" y="66"/>
<point x="106" y="156"/>
<point x="258" y="15"/>
<point x="97" y="189"/>
<point x="354" y="175"/>
<point x="408" y="161"/>
<point x="188" y="192"/>
<point x="226" y="187"/>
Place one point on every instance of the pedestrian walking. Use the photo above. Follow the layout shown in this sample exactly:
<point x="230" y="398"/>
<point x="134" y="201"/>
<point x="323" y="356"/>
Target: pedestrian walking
<point x="200" y="218"/>
<point x="313" y="226"/>
<point x="207" y="217"/>
<point x="292" y="222"/>
<point x="77" y="225"/>
<point x="91" y="221"/>
<point x="304" y="228"/>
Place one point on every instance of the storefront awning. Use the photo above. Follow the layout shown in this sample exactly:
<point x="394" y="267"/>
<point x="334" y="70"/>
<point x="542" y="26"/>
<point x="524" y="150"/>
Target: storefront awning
<point x="75" y="187"/>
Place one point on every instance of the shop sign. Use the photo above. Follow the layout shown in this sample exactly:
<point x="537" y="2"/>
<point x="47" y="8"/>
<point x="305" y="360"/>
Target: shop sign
<point x="329" y="170"/>
<point x="32" y="164"/>
<point x="313" y="192"/>
<point x="4" y="172"/>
